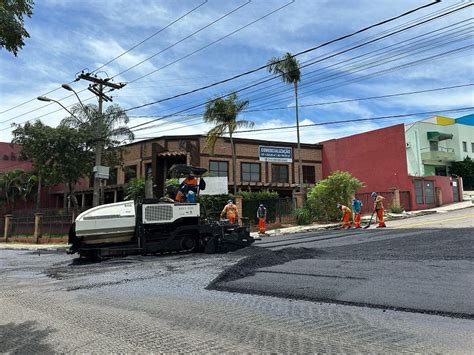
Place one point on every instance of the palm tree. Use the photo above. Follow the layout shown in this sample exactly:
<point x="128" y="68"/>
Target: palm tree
<point x="105" y="130"/>
<point x="289" y="69"/>
<point x="222" y="113"/>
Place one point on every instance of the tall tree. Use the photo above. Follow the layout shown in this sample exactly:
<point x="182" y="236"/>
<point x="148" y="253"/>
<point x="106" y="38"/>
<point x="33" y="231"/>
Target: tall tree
<point x="288" y="68"/>
<point x="36" y="142"/>
<point x="222" y="113"/>
<point x="12" y="26"/>
<point x="111" y="130"/>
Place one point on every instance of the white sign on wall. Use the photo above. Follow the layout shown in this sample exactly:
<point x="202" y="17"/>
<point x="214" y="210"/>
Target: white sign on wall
<point x="215" y="185"/>
<point x="275" y="154"/>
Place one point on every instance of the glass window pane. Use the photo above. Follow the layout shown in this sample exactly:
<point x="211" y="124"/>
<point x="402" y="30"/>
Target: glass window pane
<point x="419" y="191"/>
<point x="429" y="192"/>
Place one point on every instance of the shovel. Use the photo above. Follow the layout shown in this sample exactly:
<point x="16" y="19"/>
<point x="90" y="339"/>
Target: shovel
<point x="367" y="226"/>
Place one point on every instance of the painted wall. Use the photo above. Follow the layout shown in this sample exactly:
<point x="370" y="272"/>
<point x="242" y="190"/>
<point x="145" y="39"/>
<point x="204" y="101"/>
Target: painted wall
<point x="417" y="143"/>
<point x="377" y="158"/>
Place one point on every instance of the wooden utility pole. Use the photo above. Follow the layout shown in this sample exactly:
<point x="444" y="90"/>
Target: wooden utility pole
<point x="97" y="88"/>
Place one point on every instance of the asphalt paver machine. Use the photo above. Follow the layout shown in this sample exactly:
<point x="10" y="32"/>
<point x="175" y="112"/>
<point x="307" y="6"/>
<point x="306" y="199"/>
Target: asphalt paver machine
<point x="154" y="226"/>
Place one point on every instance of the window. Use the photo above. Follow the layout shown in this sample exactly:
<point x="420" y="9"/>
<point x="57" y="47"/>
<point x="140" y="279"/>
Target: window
<point x="218" y="168"/>
<point x="419" y="192"/>
<point x="309" y="175"/>
<point x="472" y="147"/>
<point x="429" y="192"/>
<point x="433" y="146"/>
<point x="250" y="172"/>
<point x="440" y="171"/>
<point x="130" y="173"/>
<point x="464" y="147"/>
<point x="279" y="173"/>
<point x="112" y="177"/>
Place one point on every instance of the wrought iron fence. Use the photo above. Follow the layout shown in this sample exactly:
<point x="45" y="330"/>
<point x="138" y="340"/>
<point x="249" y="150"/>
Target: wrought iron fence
<point x="278" y="210"/>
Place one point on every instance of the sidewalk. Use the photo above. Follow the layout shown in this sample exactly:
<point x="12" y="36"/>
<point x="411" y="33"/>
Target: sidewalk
<point x="273" y="232"/>
<point x="388" y="216"/>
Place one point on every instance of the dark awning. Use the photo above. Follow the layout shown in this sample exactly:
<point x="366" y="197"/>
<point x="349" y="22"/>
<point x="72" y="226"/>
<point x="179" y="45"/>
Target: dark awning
<point x="438" y="136"/>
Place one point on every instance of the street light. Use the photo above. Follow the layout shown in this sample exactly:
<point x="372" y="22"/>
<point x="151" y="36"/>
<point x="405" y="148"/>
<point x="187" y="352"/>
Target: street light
<point x="47" y="99"/>
<point x="69" y="88"/>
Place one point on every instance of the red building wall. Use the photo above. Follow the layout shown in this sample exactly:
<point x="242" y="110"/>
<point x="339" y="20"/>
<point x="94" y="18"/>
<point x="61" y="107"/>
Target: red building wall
<point x="377" y="158"/>
<point x="9" y="158"/>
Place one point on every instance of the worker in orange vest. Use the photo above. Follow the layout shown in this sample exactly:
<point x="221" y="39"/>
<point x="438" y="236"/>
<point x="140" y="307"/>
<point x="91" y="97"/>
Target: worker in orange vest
<point x="356" y="210"/>
<point x="262" y="216"/>
<point x="190" y="183"/>
<point x="230" y="212"/>
<point x="346" y="223"/>
<point x="378" y="207"/>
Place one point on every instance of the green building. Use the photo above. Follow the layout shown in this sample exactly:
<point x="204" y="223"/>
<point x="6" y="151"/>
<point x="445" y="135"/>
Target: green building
<point x="433" y="144"/>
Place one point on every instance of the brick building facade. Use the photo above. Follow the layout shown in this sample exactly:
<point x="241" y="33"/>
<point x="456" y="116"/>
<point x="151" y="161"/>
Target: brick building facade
<point x="159" y="154"/>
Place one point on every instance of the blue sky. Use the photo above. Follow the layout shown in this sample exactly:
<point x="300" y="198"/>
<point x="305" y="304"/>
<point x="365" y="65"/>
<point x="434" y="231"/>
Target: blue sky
<point x="72" y="35"/>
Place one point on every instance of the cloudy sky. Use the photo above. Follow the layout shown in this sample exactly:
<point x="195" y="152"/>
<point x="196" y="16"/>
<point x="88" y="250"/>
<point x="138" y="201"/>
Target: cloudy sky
<point x="193" y="43"/>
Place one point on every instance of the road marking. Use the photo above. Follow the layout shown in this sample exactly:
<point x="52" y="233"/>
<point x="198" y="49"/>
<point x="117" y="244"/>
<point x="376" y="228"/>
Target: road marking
<point x="435" y="222"/>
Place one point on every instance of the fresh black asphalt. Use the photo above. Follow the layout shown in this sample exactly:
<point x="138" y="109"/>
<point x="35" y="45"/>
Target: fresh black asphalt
<point x="418" y="270"/>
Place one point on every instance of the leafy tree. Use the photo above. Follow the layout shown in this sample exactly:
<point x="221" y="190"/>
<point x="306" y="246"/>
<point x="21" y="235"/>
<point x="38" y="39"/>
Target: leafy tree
<point x="222" y="113"/>
<point x="37" y="144"/>
<point x="339" y="187"/>
<point x="12" y="30"/>
<point x="465" y="169"/>
<point x="135" y="190"/>
<point x="288" y="68"/>
<point x="72" y="158"/>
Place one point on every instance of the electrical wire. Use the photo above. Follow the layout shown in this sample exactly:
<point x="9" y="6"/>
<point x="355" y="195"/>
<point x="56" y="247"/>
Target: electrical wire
<point x="112" y="60"/>
<point x="181" y="40"/>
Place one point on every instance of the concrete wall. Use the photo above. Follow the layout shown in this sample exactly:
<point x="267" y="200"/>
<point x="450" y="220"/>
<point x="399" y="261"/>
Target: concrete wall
<point x="377" y="158"/>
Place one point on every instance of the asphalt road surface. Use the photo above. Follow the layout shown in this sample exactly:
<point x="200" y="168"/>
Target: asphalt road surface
<point x="420" y="264"/>
<point x="50" y="303"/>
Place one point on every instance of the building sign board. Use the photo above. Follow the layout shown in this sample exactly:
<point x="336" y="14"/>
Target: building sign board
<point x="276" y="154"/>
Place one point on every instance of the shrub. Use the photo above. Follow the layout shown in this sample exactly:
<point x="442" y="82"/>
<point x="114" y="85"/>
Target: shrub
<point x="135" y="190"/>
<point x="339" y="187"/>
<point x="303" y="216"/>
<point x="213" y="204"/>
<point x="396" y="209"/>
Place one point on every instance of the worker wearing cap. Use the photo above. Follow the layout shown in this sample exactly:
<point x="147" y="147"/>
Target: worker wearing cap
<point x="356" y="210"/>
<point x="378" y="207"/>
<point x="188" y="184"/>
<point x="261" y="216"/>
<point x="346" y="223"/>
<point x="230" y="212"/>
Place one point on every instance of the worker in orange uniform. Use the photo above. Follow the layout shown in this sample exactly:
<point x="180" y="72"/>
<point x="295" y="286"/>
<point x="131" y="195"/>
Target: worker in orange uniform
<point x="346" y="223"/>
<point x="261" y="216"/>
<point x="356" y="210"/>
<point x="230" y="212"/>
<point x="378" y="207"/>
<point x="188" y="184"/>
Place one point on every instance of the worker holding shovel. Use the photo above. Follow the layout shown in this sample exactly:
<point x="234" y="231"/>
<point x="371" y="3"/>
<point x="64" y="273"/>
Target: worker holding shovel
<point x="378" y="207"/>
<point x="346" y="223"/>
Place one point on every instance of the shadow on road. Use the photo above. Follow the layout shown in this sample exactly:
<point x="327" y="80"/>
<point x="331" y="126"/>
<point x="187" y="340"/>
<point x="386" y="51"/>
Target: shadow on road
<point x="24" y="338"/>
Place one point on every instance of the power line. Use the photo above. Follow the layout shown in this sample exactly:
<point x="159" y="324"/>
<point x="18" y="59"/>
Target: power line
<point x="112" y="60"/>
<point x="319" y="46"/>
<point x="318" y="104"/>
<point x="151" y="36"/>
<point x="297" y="54"/>
<point x="189" y="54"/>
<point x="214" y="42"/>
<point x="399" y="67"/>
<point x="292" y="127"/>
<point x="181" y="40"/>
<point x="356" y="69"/>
